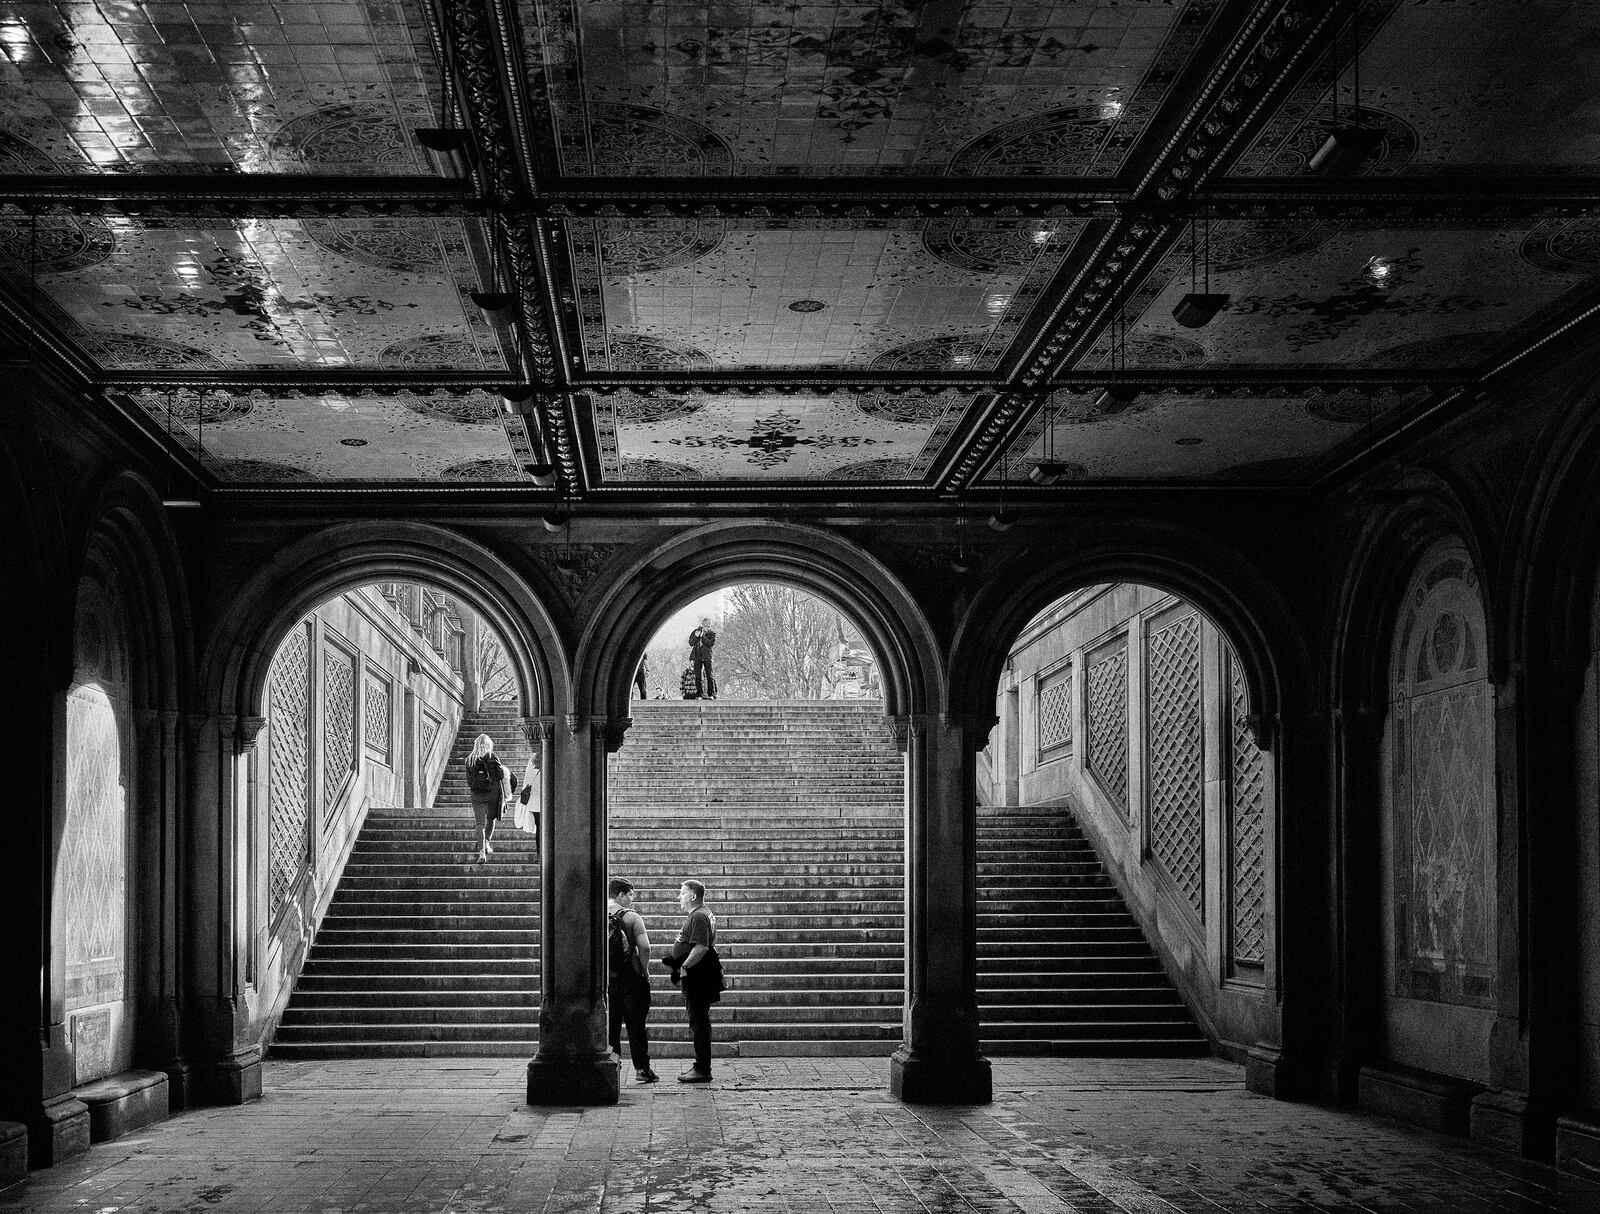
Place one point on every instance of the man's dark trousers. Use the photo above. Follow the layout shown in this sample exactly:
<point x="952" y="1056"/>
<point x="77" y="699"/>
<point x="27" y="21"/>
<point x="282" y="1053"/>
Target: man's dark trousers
<point x="630" y="1004"/>
<point x="703" y="682"/>
<point x="700" y="1030"/>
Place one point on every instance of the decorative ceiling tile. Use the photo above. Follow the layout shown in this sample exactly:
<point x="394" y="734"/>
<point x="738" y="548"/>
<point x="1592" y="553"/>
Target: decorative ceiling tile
<point x="772" y="438"/>
<point x="896" y="87"/>
<point x="404" y="437"/>
<point x="1169" y="437"/>
<point x="1497" y="90"/>
<point x="921" y="296"/>
<point x="1402" y="299"/>
<point x="292" y="87"/>
<point x="326" y="293"/>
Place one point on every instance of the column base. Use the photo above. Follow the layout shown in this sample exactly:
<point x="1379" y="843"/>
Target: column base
<point x="1578" y="1145"/>
<point x="918" y="1080"/>
<point x="1435" y="1102"/>
<point x="589" y="1081"/>
<point x="232" y="1080"/>
<point x="1506" y="1121"/>
<point x="13" y="1153"/>
<point x="60" y="1131"/>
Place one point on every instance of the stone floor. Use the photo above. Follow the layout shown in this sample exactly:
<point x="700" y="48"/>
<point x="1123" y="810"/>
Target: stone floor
<point x="817" y="1136"/>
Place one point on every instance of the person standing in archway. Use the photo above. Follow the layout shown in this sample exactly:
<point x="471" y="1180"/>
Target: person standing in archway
<point x="701" y="641"/>
<point x="694" y="963"/>
<point x="490" y="785"/>
<point x="628" y="946"/>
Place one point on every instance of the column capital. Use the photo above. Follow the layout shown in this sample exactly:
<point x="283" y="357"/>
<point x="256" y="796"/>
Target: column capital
<point x="249" y="730"/>
<point x="1263" y="729"/>
<point x="538" y="729"/>
<point x="976" y="726"/>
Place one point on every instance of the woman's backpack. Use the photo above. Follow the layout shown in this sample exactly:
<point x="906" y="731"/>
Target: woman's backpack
<point x="483" y="774"/>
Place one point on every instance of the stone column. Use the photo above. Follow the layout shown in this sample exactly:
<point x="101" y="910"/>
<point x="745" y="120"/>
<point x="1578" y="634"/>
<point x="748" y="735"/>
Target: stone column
<point x="160" y="1026"/>
<point x="939" y="1060"/>
<point x="574" y="1065"/>
<point x="471" y="689"/>
<point x="227" y="1067"/>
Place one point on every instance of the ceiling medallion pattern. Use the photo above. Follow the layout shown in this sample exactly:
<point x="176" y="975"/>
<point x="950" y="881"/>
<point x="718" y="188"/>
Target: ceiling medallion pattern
<point x="125" y="351"/>
<point x="190" y="88"/>
<point x="271" y="293"/>
<point x="881" y="289"/>
<point x="796" y="437"/>
<point x="245" y="471"/>
<point x="353" y="138"/>
<point x="642" y="352"/>
<point x="890" y="88"/>
<point x="1563" y="245"/>
<point x="1287" y="145"/>
<point x="639" y="246"/>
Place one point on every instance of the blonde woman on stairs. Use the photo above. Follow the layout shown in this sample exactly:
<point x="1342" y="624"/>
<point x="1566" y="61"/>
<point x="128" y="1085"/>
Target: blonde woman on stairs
<point x="490" y="785"/>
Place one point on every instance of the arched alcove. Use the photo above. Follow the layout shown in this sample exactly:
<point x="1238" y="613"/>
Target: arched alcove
<point x="115" y="909"/>
<point x="258" y="664"/>
<point x="1124" y="725"/>
<point x="1437" y="904"/>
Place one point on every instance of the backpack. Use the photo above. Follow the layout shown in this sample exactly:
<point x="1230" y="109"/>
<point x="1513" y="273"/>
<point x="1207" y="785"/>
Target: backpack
<point x="622" y="949"/>
<point x="482" y="777"/>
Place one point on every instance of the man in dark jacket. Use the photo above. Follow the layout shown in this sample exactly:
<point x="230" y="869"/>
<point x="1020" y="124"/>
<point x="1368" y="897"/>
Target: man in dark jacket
<point x="701" y="642"/>
<point x="694" y="963"/>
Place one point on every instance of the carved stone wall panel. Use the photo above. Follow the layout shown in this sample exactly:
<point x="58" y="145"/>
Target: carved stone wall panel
<point x="93" y="867"/>
<point x="1176" y="755"/>
<point x="1106" y="691"/>
<point x="338" y="724"/>
<point x="1248" y="803"/>
<point x="1054" y="712"/>
<point x="288" y="766"/>
<point x="375" y="715"/>
<point x="1441" y="789"/>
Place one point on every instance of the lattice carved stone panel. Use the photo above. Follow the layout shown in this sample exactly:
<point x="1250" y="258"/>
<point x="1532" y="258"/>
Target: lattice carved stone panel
<point x="288" y="766"/>
<point x="1249" y="802"/>
<point x="93" y="866"/>
<point x="430" y="733"/>
<point x="375" y="715"/>
<point x="1055" y="712"/>
<point x="1177" y="767"/>
<point x="1106" y="690"/>
<point x="338" y="724"/>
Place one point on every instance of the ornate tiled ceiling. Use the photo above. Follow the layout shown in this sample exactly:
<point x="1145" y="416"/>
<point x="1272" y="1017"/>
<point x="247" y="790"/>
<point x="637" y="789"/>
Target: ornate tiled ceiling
<point x="789" y="250"/>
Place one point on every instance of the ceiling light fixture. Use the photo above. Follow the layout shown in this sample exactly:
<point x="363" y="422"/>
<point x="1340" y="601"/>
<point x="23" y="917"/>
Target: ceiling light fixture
<point x="1117" y="395"/>
<point x="447" y="147"/>
<point x="1000" y="520"/>
<point x="1380" y="272"/>
<point x="1049" y="469"/>
<point x="494" y="302"/>
<point x="1350" y="143"/>
<point x="1199" y="307"/>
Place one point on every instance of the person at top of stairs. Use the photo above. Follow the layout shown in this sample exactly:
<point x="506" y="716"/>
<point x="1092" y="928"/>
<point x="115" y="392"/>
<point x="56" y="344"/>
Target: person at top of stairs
<point x="701" y="642"/>
<point x="490" y="785"/>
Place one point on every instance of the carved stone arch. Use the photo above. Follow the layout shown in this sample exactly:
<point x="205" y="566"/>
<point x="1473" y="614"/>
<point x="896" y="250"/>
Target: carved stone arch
<point x="1244" y="606"/>
<point x="1380" y="561"/>
<point x="313" y="569"/>
<point x="655" y="584"/>
<point x="130" y="541"/>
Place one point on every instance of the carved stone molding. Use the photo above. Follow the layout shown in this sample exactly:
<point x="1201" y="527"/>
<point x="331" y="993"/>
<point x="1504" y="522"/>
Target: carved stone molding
<point x="900" y="731"/>
<point x="975" y="727"/>
<point x="1263" y="729"/>
<point x="538" y="730"/>
<point x="571" y="567"/>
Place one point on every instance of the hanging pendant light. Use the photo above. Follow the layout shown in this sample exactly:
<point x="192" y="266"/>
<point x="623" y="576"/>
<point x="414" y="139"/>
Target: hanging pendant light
<point x="1350" y="143"/>
<point x="1049" y="469"/>
<point x="448" y="147"/>
<point x="1200" y="306"/>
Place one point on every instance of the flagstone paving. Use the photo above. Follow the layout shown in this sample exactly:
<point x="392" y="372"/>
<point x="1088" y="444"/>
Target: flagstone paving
<point x="775" y="1134"/>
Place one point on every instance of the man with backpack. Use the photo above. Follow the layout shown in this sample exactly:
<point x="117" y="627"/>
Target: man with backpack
<point x="628" y="946"/>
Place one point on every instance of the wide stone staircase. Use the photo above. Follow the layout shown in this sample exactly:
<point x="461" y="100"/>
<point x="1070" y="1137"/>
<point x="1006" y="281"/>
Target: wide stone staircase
<point x="790" y="813"/>
<point x="1062" y="966"/>
<point x="422" y="952"/>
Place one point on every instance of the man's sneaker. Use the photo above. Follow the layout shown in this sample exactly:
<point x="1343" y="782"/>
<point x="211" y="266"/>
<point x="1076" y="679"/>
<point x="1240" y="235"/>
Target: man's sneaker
<point x="695" y="1075"/>
<point x="647" y="1076"/>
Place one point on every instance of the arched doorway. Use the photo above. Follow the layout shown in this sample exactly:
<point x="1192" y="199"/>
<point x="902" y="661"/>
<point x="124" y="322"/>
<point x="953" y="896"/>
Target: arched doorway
<point x="784" y="794"/>
<point x="387" y="740"/>
<point x="1125" y="824"/>
<point x="363" y="822"/>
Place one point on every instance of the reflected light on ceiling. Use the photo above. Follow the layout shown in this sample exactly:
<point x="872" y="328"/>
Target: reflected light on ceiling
<point x="1380" y="272"/>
